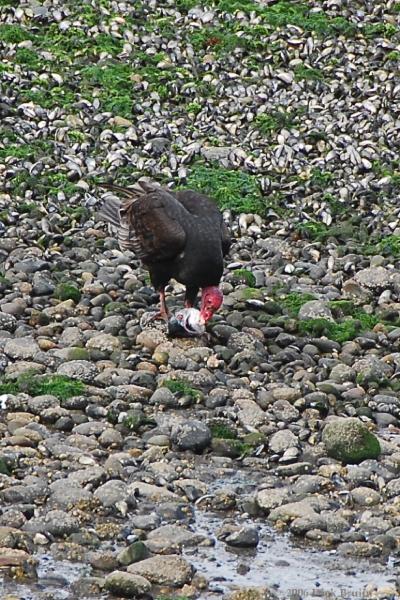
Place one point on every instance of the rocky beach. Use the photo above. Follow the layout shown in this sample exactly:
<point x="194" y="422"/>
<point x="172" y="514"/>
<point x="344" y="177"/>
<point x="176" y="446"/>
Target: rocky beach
<point x="262" y="459"/>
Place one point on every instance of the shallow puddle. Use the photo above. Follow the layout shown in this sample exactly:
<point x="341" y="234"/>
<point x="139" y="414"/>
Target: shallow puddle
<point x="291" y="571"/>
<point x="54" y="577"/>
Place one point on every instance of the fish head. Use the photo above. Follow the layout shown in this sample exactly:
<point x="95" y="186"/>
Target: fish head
<point x="186" y="322"/>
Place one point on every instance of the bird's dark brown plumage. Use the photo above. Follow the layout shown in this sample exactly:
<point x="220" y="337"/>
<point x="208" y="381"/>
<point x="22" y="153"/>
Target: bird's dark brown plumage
<point x="179" y="235"/>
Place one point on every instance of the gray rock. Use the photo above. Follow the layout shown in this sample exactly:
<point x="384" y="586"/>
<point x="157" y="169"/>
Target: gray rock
<point x="393" y="488"/>
<point x="133" y="553"/>
<point x="250" y="415"/>
<point x="282" y="440"/>
<point x="150" y="492"/>
<point x="16" y="308"/>
<point x="108" y="275"/>
<point x="359" y="549"/>
<point x="8" y="322"/>
<point x="364" y="496"/>
<point x="191" y="435"/>
<point x="216" y="152"/>
<point x="315" y="309"/>
<point x="145" y="522"/>
<point x="371" y="368"/>
<point x="384" y="419"/>
<point x="55" y="522"/>
<point x="201" y="379"/>
<point x="31" y="265"/>
<point x="371" y="525"/>
<point x="308" y="484"/>
<point x="104" y="342"/>
<point x="349" y="440"/>
<point x="114" y="325"/>
<point x="71" y="336"/>
<point x="341" y="373"/>
<point x="301" y="525"/>
<point x="39" y="404"/>
<point x="172" y="538"/>
<point x="127" y="585"/>
<point x="111" y="438"/>
<point x="91" y="428"/>
<point x="245" y="537"/>
<point x="286" y="393"/>
<point x="373" y="277"/>
<point x="240" y="341"/>
<point x="93" y="475"/>
<point x="309" y="507"/>
<point x="24" y="348"/>
<point x="282" y="410"/>
<point x="83" y="370"/>
<point x="170" y="570"/>
<point x="164" y="397"/>
<point x="270" y="498"/>
<point x="42" y="284"/>
<point x="66" y="495"/>
<point x="112" y="492"/>
<point x="25" y="493"/>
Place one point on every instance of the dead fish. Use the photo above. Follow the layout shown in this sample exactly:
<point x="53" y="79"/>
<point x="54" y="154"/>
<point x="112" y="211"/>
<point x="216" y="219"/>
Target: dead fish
<point x="186" y="322"/>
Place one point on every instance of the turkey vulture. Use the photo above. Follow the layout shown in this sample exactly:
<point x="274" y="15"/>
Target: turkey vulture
<point x="179" y="235"/>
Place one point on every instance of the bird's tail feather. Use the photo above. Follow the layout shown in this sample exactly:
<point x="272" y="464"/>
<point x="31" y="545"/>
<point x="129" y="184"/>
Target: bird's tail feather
<point x="141" y="187"/>
<point x="110" y="211"/>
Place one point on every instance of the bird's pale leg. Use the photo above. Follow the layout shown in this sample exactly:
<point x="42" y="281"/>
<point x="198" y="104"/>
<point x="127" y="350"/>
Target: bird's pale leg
<point x="164" y="312"/>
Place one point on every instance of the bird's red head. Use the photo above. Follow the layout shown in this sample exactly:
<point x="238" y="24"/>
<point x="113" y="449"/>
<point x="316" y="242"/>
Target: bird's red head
<point x="211" y="300"/>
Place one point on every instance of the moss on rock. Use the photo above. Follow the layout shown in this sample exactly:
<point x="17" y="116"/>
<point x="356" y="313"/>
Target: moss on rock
<point x="67" y="291"/>
<point x="350" y="441"/>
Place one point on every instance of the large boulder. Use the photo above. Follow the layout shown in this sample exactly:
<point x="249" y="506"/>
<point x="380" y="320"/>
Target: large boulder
<point x="350" y="441"/>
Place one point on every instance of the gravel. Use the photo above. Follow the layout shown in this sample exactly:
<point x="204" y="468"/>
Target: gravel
<point x="116" y="440"/>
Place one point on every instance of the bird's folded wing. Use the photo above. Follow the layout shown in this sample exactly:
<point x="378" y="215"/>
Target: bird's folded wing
<point x="151" y="223"/>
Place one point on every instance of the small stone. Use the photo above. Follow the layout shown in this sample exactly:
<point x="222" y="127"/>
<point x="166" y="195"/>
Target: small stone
<point x="104" y="342"/>
<point x="151" y="338"/>
<point x="170" y="570"/>
<point x="133" y="553"/>
<point x="24" y="348"/>
<point x="364" y="496"/>
<point x="359" y="549"/>
<point x="154" y="493"/>
<point x="191" y="435"/>
<point x="111" y="492"/>
<point x="284" y="411"/>
<point x="271" y="498"/>
<point x="61" y="310"/>
<point x="315" y="309"/>
<point x="250" y="415"/>
<point x="8" y="322"/>
<point x="245" y="537"/>
<point x="127" y="585"/>
<point x="373" y="277"/>
<point x="164" y="397"/>
<point x="120" y="122"/>
<point x="16" y="308"/>
<point x="282" y="440"/>
<point x="341" y="373"/>
<point x="82" y="370"/>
